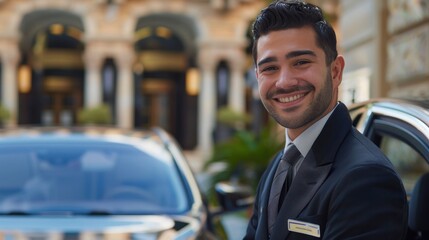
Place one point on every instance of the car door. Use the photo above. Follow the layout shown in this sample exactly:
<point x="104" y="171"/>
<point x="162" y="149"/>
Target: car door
<point x="402" y="136"/>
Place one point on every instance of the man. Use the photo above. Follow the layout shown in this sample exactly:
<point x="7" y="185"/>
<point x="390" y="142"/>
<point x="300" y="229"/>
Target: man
<point x="343" y="187"/>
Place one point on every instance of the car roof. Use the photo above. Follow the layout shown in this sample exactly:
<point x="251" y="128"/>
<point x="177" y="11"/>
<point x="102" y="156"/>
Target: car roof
<point x="418" y="108"/>
<point x="421" y="103"/>
<point x="411" y="111"/>
<point x="83" y="131"/>
<point x="80" y="133"/>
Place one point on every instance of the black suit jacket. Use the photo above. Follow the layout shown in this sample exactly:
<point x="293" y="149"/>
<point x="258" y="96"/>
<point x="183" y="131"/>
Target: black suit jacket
<point x="345" y="187"/>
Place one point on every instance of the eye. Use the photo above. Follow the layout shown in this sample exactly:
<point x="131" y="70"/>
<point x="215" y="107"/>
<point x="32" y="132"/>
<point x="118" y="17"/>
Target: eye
<point x="268" y="69"/>
<point x="301" y="62"/>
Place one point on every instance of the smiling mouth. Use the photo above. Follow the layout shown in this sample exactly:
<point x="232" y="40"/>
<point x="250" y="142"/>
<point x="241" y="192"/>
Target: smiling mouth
<point x="291" y="98"/>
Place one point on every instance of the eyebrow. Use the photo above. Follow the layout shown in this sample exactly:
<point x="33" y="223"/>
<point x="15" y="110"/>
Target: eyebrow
<point x="266" y="60"/>
<point x="290" y="55"/>
<point x="300" y="53"/>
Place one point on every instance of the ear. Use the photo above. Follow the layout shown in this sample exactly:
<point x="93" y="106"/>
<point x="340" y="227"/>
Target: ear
<point x="337" y="68"/>
<point x="256" y="73"/>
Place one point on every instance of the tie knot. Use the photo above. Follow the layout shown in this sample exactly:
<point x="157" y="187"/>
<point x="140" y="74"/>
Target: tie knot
<point x="291" y="155"/>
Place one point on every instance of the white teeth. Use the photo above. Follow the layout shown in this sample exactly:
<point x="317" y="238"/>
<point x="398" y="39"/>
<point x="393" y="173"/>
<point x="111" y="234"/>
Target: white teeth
<point x="290" y="99"/>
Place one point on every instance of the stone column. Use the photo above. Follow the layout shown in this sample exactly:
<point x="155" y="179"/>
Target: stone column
<point x="237" y="89"/>
<point x="206" y="102"/>
<point x="93" y="87"/>
<point x="125" y="92"/>
<point x="379" y="85"/>
<point x="10" y="58"/>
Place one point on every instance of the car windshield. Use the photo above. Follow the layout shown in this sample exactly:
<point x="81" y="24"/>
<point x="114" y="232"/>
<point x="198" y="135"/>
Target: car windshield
<point x="89" y="177"/>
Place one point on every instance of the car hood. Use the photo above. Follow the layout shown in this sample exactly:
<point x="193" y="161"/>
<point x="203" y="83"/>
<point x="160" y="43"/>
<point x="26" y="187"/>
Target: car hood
<point x="95" y="227"/>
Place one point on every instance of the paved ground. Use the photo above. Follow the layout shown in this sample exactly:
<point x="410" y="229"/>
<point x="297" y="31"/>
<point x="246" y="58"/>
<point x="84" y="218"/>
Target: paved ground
<point x="235" y="224"/>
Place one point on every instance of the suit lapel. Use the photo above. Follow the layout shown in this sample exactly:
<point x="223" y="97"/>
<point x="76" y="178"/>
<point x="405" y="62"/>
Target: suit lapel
<point x="314" y="169"/>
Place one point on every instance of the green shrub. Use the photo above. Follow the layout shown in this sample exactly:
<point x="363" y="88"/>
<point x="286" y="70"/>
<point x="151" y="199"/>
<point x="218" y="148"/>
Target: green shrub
<point x="231" y="118"/>
<point x="4" y="114"/>
<point x="99" y="115"/>
<point x="246" y="155"/>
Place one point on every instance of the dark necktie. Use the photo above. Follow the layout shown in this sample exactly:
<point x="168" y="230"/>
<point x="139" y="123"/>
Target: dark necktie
<point x="284" y="173"/>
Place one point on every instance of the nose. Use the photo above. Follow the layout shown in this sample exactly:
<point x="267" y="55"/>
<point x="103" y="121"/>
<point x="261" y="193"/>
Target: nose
<point x="286" y="79"/>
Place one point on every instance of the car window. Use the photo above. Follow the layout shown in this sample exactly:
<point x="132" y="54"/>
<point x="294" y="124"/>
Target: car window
<point x="408" y="162"/>
<point x="96" y="178"/>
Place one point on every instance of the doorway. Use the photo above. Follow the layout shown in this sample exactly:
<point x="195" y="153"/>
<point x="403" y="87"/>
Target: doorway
<point x="62" y="100"/>
<point x="158" y="108"/>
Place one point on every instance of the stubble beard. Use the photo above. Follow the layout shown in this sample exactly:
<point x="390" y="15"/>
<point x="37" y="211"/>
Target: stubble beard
<point x="311" y="114"/>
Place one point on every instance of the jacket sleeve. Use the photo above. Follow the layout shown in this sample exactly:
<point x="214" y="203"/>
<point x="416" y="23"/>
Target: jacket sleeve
<point x="253" y="222"/>
<point x="369" y="203"/>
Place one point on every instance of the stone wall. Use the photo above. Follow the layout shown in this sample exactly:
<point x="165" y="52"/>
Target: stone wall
<point x="408" y="48"/>
<point x="390" y="39"/>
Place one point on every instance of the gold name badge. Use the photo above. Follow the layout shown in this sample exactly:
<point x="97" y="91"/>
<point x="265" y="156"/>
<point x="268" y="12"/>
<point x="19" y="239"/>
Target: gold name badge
<point x="304" y="228"/>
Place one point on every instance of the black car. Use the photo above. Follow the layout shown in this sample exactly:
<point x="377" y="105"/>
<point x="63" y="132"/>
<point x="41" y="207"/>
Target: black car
<point x="100" y="183"/>
<point x="400" y="128"/>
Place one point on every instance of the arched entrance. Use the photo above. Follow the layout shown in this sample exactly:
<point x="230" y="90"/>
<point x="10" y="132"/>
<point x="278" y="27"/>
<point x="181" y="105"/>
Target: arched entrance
<point x="51" y="72"/>
<point x="164" y="49"/>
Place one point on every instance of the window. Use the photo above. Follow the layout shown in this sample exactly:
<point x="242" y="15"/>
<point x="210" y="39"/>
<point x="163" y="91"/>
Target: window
<point x="223" y="81"/>
<point x="408" y="162"/>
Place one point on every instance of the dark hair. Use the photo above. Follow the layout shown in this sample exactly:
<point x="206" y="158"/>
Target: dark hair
<point x="284" y="14"/>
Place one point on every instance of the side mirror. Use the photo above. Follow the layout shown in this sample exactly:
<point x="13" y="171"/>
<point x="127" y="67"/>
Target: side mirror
<point x="233" y="197"/>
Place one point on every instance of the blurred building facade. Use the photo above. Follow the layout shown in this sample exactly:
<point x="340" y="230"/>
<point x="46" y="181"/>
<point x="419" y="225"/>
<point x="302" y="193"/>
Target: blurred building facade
<point x="168" y="63"/>
<point x="174" y="63"/>
<point x="386" y="46"/>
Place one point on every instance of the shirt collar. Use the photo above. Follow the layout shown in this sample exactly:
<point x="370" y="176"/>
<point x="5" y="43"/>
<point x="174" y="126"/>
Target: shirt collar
<point x="305" y="140"/>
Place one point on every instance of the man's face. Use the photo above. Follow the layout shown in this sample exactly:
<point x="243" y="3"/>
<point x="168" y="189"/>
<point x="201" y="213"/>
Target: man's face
<point x="295" y="83"/>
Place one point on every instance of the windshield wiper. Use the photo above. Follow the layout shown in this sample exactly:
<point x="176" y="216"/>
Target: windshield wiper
<point x="99" y="213"/>
<point x="22" y="213"/>
<point x="15" y="213"/>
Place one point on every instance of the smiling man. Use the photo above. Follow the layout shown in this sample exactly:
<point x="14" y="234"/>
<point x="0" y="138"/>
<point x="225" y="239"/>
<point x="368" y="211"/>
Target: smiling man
<point x="330" y="182"/>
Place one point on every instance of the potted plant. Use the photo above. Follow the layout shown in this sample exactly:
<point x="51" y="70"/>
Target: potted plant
<point x="245" y="153"/>
<point x="99" y="115"/>
<point x="4" y="114"/>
